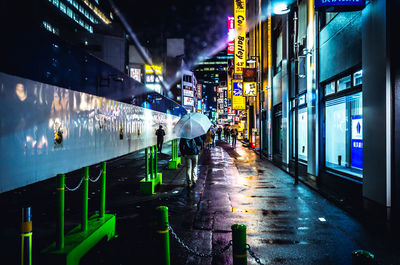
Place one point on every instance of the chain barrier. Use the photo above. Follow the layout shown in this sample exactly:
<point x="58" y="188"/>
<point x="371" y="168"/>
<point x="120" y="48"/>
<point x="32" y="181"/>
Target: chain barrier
<point x="194" y="252"/>
<point x="98" y="177"/>
<point x="251" y="252"/>
<point x="74" y="189"/>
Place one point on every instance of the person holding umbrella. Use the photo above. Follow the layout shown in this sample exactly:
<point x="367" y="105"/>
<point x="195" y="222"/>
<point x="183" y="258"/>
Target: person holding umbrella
<point x="190" y="152"/>
<point x="189" y="127"/>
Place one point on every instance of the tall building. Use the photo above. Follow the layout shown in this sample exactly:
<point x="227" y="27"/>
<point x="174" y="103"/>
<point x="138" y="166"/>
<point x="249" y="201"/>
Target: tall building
<point x="211" y="72"/>
<point x="88" y="24"/>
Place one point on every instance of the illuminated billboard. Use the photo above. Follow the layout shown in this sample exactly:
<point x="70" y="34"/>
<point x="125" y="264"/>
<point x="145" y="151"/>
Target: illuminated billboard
<point x="231" y="35"/>
<point x="240" y="40"/>
<point x="238" y="100"/>
<point x="135" y="74"/>
<point x="188" y="101"/>
<point x="199" y="92"/>
<point x="250" y="89"/>
<point x="339" y="5"/>
<point x="188" y="93"/>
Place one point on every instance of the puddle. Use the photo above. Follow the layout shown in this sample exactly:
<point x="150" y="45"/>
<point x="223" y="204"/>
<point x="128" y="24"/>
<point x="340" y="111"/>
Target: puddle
<point x="283" y="242"/>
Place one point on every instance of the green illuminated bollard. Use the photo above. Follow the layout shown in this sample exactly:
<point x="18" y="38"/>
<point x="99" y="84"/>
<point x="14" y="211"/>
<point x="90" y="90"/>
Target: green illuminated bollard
<point x="155" y="161"/>
<point x="239" y="247"/>
<point x="85" y="198"/>
<point x="147" y="163"/>
<point x="60" y="212"/>
<point x="163" y="234"/>
<point x="173" y="150"/>
<point x="26" y="237"/>
<point x="103" y="193"/>
<point x="176" y="149"/>
<point x="152" y="161"/>
<point x="362" y="257"/>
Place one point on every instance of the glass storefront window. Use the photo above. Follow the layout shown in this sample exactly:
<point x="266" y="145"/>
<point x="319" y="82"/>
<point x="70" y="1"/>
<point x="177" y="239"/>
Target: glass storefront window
<point x="329" y="88"/>
<point x="357" y="78"/>
<point x="343" y="134"/>
<point x="302" y="133"/>
<point x="344" y="83"/>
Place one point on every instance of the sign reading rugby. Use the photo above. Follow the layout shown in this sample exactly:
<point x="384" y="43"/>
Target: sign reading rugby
<point x="240" y="40"/>
<point x="339" y="5"/>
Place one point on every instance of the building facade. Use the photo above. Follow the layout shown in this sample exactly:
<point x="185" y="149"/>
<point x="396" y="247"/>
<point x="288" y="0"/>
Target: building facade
<point x="328" y="111"/>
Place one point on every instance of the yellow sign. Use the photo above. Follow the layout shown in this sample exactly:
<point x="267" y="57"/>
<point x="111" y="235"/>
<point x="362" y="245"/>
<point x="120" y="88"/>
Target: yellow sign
<point x="149" y="69"/>
<point x="240" y="40"/>
<point x="238" y="100"/>
<point x="250" y="89"/>
<point x="229" y="88"/>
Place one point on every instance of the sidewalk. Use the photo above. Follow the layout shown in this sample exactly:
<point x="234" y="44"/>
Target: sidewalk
<point x="286" y="224"/>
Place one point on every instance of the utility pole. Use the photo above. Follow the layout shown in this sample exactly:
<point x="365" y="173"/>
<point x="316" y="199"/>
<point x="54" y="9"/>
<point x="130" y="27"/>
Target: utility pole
<point x="296" y="100"/>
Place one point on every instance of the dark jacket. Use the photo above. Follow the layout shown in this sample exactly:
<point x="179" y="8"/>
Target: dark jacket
<point x="160" y="134"/>
<point x="188" y="147"/>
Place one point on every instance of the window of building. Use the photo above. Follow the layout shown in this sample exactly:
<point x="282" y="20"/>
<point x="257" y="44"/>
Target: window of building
<point x="344" y="83"/>
<point x="279" y="50"/>
<point x="302" y="128"/>
<point x="357" y="78"/>
<point x="343" y="134"/>
<point x="330" y="88"/>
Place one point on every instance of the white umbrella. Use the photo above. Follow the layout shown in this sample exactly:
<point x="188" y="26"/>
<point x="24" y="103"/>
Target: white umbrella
<point x="192" y="125"/>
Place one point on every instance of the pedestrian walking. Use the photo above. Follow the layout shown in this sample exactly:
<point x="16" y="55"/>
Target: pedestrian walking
<point x="227" y="134"/>
<point x="234" y="133"/>
<point x="219" y="132"/>
<point x="213" y="133"/>
<point x="189" y="151"/>
<point x="203" y="140"/>
<point x="209" y="139"/>
<point x="160" y="138"/>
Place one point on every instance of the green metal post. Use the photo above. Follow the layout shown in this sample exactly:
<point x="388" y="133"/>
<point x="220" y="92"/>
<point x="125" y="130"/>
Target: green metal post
<point x="103" y="192"/>
<point x="152" y="161"/>
<point x="147" y="163"/>
<point x="155" y="161"/>
<point x="85" y="198"/>
<point x="26" y="237"/>
<point x="176" y="149"/>
<point x="163" y="235"/>
<point x="239" y="247"/>
<point x="173" y="150"/>
<point x="60" y="211"/>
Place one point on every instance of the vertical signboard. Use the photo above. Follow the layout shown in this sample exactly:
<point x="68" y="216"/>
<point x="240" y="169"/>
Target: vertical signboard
<point x="135" y="73"/>
<point x="225" y="101"/>
<point x="240" y="40"/>
<point x="231" y="35"/>
<point x="238" y="101"/>
<point x="199" y="91"/>
<point x="356" y="142"/>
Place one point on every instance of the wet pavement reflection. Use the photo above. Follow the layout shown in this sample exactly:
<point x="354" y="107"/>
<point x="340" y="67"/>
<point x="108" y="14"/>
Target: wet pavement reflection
<point x="286" y="223"/>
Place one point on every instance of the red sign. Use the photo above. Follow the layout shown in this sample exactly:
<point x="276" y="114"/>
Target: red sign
<point x="237" y="118"/>
<point x="231" y="35"/>
<point x="231" y="112"/>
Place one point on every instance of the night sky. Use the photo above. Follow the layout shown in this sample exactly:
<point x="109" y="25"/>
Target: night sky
<point x="201" y="23"/>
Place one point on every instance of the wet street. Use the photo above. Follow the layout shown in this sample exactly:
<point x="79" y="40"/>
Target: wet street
<point x="286" y="224"/>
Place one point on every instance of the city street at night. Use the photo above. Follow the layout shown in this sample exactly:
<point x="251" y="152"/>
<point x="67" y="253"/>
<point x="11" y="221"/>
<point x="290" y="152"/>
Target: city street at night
<point x="183" y="132"/>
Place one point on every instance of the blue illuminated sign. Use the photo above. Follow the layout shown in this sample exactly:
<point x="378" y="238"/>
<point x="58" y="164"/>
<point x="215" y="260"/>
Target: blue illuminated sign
<point x="339" y="5"/>
<point x="356" y="142"/>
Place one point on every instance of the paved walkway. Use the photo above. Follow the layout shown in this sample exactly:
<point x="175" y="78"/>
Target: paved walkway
<point x="286" y="224"/>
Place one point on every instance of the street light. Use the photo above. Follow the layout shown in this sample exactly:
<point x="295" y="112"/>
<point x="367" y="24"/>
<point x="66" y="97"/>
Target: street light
<point x="256" y="59"/>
